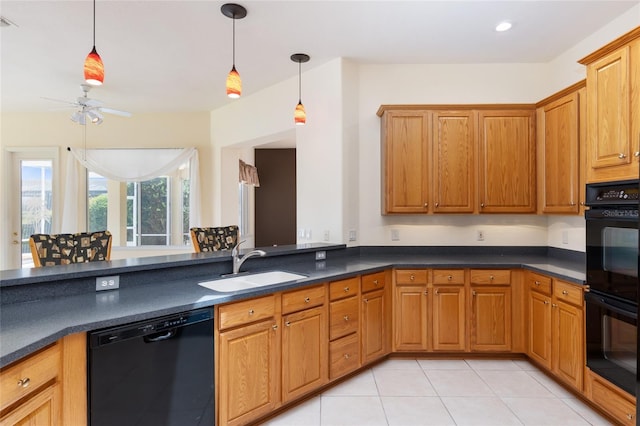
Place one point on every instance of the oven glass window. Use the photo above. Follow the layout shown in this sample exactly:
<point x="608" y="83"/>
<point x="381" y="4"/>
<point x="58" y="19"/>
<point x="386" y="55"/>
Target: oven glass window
<point x="619" y="343"/>
<point x="620" y="250"/>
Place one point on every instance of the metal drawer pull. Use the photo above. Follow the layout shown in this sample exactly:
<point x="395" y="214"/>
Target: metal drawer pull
<point x="449" y="277"/>
<point x="346" y="317"/>
<point x="426" y="292"/>
<point x="288" y="323"/>
<point x="546" y="302"/>
<point x="375" y="283"/>
<point x="274" y="326"/>
<point x="251" y="312"/>
<point x="23" y="383"/>
<point x="565" y="292"/>
<point x="636" y="154"/>
<point x="347" y="356"/>
<point x="437" y="292"/>
<point x="473" y="293"/>
<point x="491" y="277"/>
<point x="346" y="289"/>
<point x="412" y="277"/>
<point x="629" y="416"/>
<point x="307" y="300"/>
<point x="622" y="156"/>
<point x="537" y="283"/>
<point x="366" y="300"/>
<point x="553" y="305"/>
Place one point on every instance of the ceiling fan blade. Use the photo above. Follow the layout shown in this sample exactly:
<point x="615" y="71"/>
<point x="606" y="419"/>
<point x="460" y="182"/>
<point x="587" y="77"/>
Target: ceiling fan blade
<point x="115" y="112"/>
<point x="92" y="102"/>
<point x="62" y="101"/>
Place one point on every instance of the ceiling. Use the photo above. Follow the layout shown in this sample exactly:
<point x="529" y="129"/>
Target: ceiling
<point x="174" y="55"/>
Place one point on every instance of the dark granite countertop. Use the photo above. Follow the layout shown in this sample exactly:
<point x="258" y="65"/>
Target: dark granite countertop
<point x="30" y="324"/>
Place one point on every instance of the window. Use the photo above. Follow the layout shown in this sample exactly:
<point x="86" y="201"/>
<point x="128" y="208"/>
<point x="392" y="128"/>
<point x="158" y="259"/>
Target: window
<point x="154" y="212"/>
<point x="36" y="185"/>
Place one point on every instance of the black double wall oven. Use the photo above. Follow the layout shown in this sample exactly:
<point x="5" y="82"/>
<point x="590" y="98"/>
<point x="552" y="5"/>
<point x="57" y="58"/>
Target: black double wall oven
<point x="612" y="276"/>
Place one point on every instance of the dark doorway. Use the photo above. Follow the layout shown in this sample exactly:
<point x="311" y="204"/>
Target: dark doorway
<point x="275" y="214"/>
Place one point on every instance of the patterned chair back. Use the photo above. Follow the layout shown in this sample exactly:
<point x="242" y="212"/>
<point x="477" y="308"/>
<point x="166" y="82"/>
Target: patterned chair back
<point x="214" y="238"/>
<point x="63" y="249"/>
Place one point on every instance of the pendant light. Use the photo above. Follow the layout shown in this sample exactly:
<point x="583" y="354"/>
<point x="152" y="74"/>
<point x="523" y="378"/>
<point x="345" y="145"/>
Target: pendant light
<point x="93" y="66"/>
<point x="234" y="83"/>
<point x="300" y="115"/>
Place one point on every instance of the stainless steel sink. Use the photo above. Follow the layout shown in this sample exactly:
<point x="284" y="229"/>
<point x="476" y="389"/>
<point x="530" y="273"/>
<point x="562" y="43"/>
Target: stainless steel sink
<point x="250" y="281"/>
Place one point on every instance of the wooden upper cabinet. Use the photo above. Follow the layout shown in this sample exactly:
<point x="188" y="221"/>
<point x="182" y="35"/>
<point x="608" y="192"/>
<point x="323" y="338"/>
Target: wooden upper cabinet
<point x="613" y="116"/>
<point x="506" y="165"/>
<point x="559" y="144"/>
<point x="406" y="159"/>
<point x="453" y="147"/>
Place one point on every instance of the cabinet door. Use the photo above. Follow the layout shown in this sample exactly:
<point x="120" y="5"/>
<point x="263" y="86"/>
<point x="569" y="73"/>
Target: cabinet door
<point x="610" y="154"/>
<point x="491" y="319"/>
<point x="568" y="343"/>
<point x="248" y="373"/>
<point x="507" y="161"/>
<point x="304" y="352"/>
<point x="410" y="318"/>
<point x="453" y="145"/>
<point x="560" y="156"/>
<point x="540" y="328"/>
<point x="449" y="318"/>
<point x="373" y="326"/>
<point x="40" y="410"/>
<point x="406" y="159"/>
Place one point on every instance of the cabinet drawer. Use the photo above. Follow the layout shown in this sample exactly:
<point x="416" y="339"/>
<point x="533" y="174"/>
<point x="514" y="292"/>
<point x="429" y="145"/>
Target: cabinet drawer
<point x="26" y="376"/>
<point x="373" y="282"/>
<point x="245" y="312"/>
<point x="302" y="299"/>
<point x="343" y="317"/>
<point x="491" y="276"/>
<point x="611" y="400"/>
<point x="344" y="288"/>
<point x="448" y="276"/>
<point x="568" y="293"/>
<point x="344" y="356"/>
<point x="539" y="283"/>
<point x="411" y="276"/>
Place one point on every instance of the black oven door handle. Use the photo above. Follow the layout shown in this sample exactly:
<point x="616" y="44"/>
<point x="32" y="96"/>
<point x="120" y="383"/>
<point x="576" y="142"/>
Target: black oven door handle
<point x="611" y="305"/>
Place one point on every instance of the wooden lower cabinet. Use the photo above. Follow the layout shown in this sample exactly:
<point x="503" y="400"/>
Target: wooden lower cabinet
<point x="249" y="372"/>
<point x="375" y="318"/>
<point x="610" y="398"/>
<point x="490" y="322"/>
<point x="556" y="328"/>
<point x="410" y="318"/>
<point x="42" y="409"/>
<point x="449" y="318"/>
<point x="304" y="349"/>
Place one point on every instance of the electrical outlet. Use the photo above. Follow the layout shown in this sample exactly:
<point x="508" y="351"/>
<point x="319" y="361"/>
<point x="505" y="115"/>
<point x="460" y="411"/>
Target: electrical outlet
<point x="321" y="255"/>
<point x="480" y="236"/>
<point x="326" y="235"/>
<point x="395" y="235"/>
<point x="565" y="237"/>
<point x="352" y="235"/>
<point x="107" y="283"/>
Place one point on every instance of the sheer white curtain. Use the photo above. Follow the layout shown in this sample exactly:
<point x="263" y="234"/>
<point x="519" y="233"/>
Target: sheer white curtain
<point x="127" y="165"/>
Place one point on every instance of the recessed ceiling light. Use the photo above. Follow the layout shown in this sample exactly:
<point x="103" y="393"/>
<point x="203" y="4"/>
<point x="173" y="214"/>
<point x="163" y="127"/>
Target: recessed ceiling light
<point x="503" y="26"/>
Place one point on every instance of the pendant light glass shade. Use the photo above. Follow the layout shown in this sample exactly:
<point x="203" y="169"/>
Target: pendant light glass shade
<point x="300" y="115"/>
<point x="94" y="68"/>
<point x="234" y="84"/>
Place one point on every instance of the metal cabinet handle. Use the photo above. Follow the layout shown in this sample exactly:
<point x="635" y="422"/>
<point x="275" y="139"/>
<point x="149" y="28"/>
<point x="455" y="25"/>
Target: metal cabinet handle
<point x="546" y="302"/>
<point x="23" y="383"/>
<point x="288" y="323"/>
<point x="251" y="312"/>
<point x="572" y="204"/>
<point x="274" y="326"/>
<point x="437" y="292"/>
<point x="553" y="305"/>
<point x="565" y="292"/>
<point x="365" y="300"/>
<point x="437" y="204"/>
<point x="629" y="416"/>
<point x="375" y="283"/>
<point x="346" y="289"/>
<point x="426" y="292"/>
<point x="622" y="156"/>
<point x="537" y="283"/>
<point x="491" y="277"/>
<point x="426" y="205"/>
<point x="473" y="293"/>
<point x="449" y="277"/>
<point x="346" y="318"/>
<point x="412" y="277"/>
<point x="481" y="205"/>
<point x="347" y="356"/>
<point x="636" y="154"/>
<point x="307" y="300"/>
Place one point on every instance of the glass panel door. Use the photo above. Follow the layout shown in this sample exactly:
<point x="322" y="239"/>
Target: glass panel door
<point x="36" y="203"/>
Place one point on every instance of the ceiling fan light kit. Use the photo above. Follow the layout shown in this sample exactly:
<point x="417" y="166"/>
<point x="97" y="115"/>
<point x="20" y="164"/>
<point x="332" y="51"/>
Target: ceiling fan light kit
<point x="299" y="114"/>
<point x="93" y="66"/>
<point x="234" y="82"/>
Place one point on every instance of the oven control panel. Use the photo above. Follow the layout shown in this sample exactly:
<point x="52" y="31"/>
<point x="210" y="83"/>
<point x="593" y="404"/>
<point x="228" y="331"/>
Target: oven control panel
<point x="613" y="193"/>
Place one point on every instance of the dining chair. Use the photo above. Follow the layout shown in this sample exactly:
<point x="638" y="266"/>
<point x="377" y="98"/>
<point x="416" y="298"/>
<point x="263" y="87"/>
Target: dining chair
<point x="214" y="238"/>
<point x="64" y="249"/>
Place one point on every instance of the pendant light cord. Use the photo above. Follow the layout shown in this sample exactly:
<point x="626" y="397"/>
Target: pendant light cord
<point x="234" y="41"/>
<point x="94" y="24"/>
<point x="299" y="81"/>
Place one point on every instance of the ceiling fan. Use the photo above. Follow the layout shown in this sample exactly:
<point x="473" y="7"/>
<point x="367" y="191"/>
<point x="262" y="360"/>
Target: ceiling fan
<point x="90" y="109"/>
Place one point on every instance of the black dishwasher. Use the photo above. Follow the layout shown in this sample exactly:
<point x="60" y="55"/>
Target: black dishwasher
<point x="157" y="372"/>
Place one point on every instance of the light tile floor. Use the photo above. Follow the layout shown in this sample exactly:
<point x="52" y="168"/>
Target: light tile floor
<point x="410" y="392"/>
